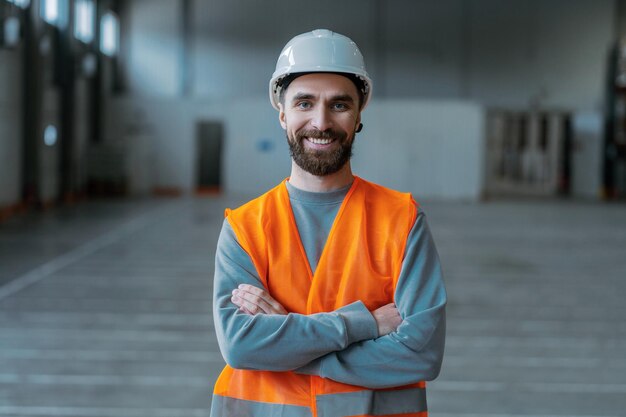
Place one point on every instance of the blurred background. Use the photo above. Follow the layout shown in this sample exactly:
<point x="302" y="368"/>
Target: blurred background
<point x="127" y="126"/>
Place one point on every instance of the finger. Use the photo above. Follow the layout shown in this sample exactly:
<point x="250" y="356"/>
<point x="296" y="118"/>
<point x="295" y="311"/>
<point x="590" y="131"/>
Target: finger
<point x="247" y="306"/>
<point x="279" y="309"/>
<point x="259" y="292"/>
<point x="264" y="295"/>
<point x="251" y="289"/>
<point x="254" y="303"/>
<point x="270" y="305"/>
<point x="261" y="298"/>
<point x="237" y="301"/>
<point x="245" y="310"/>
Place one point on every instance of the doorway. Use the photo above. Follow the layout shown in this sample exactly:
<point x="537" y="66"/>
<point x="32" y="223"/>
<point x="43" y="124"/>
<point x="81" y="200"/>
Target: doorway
<point x="209" y="142"/>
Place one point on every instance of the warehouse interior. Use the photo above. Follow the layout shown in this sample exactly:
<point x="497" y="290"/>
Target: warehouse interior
<point x="128" y="126"/>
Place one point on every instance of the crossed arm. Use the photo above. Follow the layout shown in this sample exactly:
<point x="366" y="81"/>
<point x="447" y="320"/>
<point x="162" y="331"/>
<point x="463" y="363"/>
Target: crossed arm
<point x="254" y="300"/>
<point x="391" y="346"/>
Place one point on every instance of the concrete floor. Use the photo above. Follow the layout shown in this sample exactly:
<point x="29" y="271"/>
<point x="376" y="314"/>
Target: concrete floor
<point x="105" y="309"/>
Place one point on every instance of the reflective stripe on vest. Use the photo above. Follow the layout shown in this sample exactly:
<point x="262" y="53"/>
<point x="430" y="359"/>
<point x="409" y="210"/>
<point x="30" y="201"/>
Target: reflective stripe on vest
<point x="367" y="239"/>
<point x="234" y="407"/>
<point x="366" y="402"/>
<point x="372" y="402"/>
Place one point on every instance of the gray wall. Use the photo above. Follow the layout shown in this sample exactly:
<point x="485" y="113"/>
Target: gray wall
<point x="492" y="53"/>
<point x="550" y="53"/>
<point x="153" y="61"/>
<point x="430" y="55"/>
<point x="432" y="149"/>
<point x="499" y="53"/>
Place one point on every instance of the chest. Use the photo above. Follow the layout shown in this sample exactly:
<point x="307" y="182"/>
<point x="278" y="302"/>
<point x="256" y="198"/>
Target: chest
<point x="330" y="268"/>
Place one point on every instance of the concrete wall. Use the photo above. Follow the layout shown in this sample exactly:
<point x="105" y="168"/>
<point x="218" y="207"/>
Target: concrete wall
<point x="154" y="45"/>
<point x="433" y="149"/>
<point x="10" y="127"/>
<point x="159" y="135"/>
<point x="430" y="149"/>
<point x="540" y="53"/>
<point x="429" y="61"/>
<point x="499" y="53"/>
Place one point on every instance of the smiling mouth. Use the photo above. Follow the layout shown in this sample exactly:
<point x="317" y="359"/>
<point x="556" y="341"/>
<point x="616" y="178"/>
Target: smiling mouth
<point x="319" y="141"/>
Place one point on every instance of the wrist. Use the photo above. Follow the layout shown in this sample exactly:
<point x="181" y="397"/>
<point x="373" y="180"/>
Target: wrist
<point x="359" y="321"/>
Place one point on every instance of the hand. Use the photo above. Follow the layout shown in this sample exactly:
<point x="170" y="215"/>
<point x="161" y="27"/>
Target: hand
<point x="252" y="300"/>
<point x="387" y="318"/>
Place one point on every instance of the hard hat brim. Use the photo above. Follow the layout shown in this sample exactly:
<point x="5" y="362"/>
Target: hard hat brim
<point x="320" y="50"/>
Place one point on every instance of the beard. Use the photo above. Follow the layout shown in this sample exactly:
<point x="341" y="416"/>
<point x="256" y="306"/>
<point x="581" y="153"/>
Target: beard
<point x="320" y="162"/>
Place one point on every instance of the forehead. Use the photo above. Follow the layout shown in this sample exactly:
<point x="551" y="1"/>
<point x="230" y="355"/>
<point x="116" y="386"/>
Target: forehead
<point x="322" y="84"/>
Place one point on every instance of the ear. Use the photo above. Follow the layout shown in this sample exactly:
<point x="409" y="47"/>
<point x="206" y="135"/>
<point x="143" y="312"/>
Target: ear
<point x="358" y="122"/>
<point x="281" y="116"/>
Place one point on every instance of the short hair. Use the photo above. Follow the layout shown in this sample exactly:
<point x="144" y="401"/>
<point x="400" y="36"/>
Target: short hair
<point x="284" y="82"/>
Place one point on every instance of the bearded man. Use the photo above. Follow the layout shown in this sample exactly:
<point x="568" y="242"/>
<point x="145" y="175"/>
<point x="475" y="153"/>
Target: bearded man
<point x="328" y="294"/>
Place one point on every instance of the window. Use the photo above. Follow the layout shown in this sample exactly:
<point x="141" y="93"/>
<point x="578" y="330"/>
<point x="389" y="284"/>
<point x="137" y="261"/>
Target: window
<point x="84" y="20"/>
<point x="110" y="34"/>
<point x="50" y="11"/>
<point x="21" y="3"/>
<point x="50" y="135"/>
<point x="10" y="23"/>
<point x="10" y="31"/>
<point x="54" y="12"/>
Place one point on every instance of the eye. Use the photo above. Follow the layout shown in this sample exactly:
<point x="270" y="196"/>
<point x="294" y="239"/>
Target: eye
<point x="303" y="105"/>
<point x="340" y="106"/>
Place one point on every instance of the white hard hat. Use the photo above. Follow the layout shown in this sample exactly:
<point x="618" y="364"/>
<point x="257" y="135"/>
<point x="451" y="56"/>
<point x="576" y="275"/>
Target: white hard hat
<point x="320" y="51"/>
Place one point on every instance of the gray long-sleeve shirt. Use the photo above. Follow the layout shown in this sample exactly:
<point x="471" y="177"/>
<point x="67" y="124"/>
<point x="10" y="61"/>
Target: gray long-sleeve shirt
<point x="341" y="345"/>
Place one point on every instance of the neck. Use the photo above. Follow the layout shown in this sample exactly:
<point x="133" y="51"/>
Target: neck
<point x="308" y="182"/>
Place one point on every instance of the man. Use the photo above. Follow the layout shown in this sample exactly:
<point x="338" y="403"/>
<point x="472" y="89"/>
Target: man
<point x="328" y="297"/>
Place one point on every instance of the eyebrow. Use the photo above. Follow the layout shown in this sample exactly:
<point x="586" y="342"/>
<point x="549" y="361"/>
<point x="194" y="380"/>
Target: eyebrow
<point x="302" y="96"/>
<point x="339" y="97"/>
<point x="343" y="97"/>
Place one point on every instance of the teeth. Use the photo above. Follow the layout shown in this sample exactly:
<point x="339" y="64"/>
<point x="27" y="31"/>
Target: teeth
<point x="319" y="141"/>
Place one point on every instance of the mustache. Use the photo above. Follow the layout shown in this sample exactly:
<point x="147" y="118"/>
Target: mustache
<point x="318" y="134"/>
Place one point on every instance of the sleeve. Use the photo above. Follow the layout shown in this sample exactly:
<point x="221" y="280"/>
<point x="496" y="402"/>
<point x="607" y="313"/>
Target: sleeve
<point x="275" y="342"/>
<point x="415" y="351"/>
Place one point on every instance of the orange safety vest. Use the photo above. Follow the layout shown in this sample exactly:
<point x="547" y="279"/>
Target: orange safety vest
<point x="361" y="261"/>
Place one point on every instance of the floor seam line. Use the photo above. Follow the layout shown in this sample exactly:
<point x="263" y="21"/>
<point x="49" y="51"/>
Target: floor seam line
<point x="42" y="271"/>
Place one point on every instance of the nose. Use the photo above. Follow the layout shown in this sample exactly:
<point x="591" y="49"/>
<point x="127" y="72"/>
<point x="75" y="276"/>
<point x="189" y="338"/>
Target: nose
<point x="321" y="119"/>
